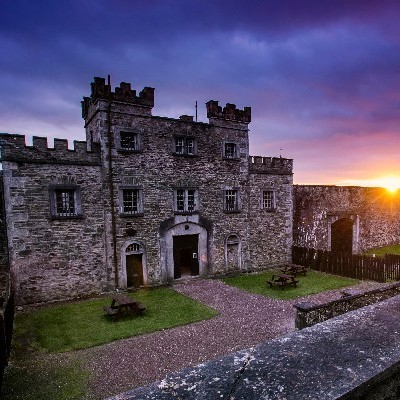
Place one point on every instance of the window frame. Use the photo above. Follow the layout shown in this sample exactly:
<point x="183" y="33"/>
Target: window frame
<point x="273" y="200"/>
<point x="186" y="206"/>
<point x="185" y="141"/>
<point x="54" y="189"/>
<point x="118" y="141"/>
<point x="121" y="201"/>
<point x="235" y="155"/>
<point x="237" y="203"/>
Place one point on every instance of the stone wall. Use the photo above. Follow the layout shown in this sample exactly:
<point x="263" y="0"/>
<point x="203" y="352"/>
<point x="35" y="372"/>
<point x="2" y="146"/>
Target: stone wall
<point x="309" y="314"/>
<point x="374" y="211"/>
<point x="53" y="259"/>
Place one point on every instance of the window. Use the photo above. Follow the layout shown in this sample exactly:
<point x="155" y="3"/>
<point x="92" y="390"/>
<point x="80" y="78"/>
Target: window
<point x="131" y="201"/>
<point x="65" y="201"/>
<point x="231" y="200"/>
<point x="128" y="141"/>
<point x="185" y="146"/>
<point x="185" y="200"/>
<point x="268" y="199"/>
<point x="230" y="150"/>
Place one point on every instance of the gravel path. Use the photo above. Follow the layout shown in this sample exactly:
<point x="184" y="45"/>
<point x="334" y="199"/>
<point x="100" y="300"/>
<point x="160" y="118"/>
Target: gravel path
<point x="244" y="320"/>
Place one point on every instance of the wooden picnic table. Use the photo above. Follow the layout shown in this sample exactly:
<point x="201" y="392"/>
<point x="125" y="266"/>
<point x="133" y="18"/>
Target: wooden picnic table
<point x="282" y="280"/>
<point x="123" y="304"/>
<point x="293" y="269"/>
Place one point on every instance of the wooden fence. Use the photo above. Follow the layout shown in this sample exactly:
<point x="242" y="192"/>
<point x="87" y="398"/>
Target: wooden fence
<point x="381" y="269"/>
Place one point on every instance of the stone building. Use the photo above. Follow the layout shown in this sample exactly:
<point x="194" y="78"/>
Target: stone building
<point x="352" y="219"/>
<point x="143" y="201"/>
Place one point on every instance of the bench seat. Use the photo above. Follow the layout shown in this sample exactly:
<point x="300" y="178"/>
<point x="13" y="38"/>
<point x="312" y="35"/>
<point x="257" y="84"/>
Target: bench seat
<point x="109" y="310"/>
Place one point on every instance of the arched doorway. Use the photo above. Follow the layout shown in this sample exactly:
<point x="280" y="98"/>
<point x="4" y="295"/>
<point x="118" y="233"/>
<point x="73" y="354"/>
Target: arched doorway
<point x="133" y="263"/>
<point x="342" y="235"/>
<point x="184" y="251"/>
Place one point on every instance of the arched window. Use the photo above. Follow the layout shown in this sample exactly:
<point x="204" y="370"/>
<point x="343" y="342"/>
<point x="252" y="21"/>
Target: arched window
<point x="134" y="248"/>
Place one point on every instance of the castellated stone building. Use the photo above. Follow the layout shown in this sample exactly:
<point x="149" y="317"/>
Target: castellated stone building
<point x="144" y="200"/>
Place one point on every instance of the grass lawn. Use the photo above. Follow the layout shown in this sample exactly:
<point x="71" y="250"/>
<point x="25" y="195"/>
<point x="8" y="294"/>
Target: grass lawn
<point x="32" y="374"/>
<point x="313" y="282"/>
<point x="82" y="324"/>
<point x="381" y="251"/>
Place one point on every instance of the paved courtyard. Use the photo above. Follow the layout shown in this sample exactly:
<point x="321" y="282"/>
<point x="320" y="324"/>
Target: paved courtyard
<point x="245" y="320"/>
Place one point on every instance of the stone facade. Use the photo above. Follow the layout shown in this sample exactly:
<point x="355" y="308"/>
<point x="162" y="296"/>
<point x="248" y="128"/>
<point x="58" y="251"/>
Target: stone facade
<point x="363" y="217"/>
<point x="145" y="200"/>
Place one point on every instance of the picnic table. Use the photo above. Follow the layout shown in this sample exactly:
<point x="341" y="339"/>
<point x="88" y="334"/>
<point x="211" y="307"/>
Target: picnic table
<point x="293" y="269"/>
<point x="282" y="280"/>
<point x="123" y="304"/>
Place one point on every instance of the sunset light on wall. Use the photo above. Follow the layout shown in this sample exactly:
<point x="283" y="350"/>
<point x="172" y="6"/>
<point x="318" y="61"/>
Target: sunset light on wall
<point x="391" y="183"/>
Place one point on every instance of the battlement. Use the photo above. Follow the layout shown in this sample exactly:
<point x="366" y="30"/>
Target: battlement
<point x="229" y="112"/>
<point x="14" y="148"/>
<point x="270" y="165"/>
<point x="123" y="93"/>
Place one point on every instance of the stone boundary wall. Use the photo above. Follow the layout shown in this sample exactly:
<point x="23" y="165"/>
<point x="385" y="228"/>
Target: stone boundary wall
<point x="308" y="314"/>
<point x="352" y="356"/>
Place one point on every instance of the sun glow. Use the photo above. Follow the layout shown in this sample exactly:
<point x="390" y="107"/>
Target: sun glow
<point x="391" y="183"/>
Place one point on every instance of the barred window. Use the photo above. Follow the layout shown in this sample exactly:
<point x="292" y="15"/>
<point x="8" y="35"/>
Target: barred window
<point x="131" y="202"/>
<point x="268" y="199"/>
<point x="230" y="150"/>
<point x="129" y="141"/>
<point x="231" y="203"/>
<point x="65" y="202"/>
<point x="185" y="200"/>
<point x="185" y="146"/>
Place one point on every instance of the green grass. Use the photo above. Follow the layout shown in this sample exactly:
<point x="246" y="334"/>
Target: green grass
<point x="313" y="282"/>
<point x="32" y="374"/>
<point x="381" y="251"/>
<point x="67" y="382"/>
<point x="83" y="324"/>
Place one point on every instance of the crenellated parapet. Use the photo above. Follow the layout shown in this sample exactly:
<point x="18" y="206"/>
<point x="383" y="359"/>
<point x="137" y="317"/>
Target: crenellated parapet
<point x="14" y="148"/>
<point x="229" y="112"/>
<point x="270" y="165"/>
<point x="124" y="93"/>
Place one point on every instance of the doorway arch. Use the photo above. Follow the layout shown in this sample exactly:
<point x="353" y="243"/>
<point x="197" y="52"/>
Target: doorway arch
<point x="134" y="271"/>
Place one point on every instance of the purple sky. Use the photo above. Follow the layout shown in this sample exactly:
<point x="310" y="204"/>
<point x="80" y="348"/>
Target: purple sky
<point x="322" y="77"/>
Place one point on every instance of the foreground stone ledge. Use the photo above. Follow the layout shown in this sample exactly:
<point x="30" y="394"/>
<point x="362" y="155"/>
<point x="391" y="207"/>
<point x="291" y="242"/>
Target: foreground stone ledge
<point x="353" y="356"/>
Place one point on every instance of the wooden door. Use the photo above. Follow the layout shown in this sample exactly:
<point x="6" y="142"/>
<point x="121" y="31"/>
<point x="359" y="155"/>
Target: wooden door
<point x="134" y="270"/>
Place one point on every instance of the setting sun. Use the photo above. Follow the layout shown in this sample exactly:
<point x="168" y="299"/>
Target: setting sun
<point x="390" y="183"/>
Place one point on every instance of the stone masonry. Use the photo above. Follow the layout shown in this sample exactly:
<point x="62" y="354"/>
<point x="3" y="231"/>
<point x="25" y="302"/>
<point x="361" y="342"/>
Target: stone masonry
<point x="373" y="213"/>
<point x="145" y="200"/>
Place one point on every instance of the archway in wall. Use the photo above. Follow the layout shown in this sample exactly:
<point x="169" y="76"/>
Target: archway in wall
<point x="342" y="236"/>
<point x="184" y="251"/>
<point x="133" y="262"/>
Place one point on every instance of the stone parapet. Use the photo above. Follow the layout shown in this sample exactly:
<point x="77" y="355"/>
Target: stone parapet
<point x="13" y="148"/>
<point x="308" y="314"/>
<point x="270" y="165"/>
<point x="123" y="93"/>
<point x="229" y="112"/>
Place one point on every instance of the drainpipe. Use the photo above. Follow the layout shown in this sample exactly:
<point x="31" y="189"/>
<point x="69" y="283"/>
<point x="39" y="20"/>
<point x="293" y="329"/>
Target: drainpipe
<point x="112" y="202"/>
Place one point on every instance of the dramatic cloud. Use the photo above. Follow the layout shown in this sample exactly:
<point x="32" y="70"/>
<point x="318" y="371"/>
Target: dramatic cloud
<point x="322" y="78"/>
